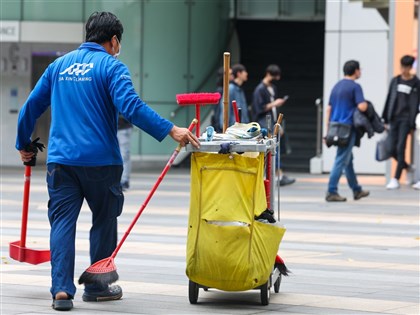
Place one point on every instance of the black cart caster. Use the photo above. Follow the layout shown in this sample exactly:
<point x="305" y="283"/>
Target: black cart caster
<point x="265" y="293"/>
<point x="277" y="284"/>
<point x="193" y="292"/>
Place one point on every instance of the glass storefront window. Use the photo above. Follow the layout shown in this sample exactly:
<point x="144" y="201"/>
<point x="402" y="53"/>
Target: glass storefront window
<point x="281" y="9"/>
<point x="10" y="11"/>
<point x="53" y="10"/>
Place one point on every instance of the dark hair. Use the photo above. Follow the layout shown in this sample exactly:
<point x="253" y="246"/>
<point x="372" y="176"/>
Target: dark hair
<point x="350" y="67"/>
<point x="102" y="26"/>
<point x="273" y="70"/>
<point x="237" y="68"/>
<point x="407" y="61"/>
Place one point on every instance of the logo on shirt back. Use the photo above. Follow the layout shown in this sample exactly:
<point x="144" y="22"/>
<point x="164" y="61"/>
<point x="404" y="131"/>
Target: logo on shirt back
<point x="78" y="68"/>
<point x="76" y="72"/>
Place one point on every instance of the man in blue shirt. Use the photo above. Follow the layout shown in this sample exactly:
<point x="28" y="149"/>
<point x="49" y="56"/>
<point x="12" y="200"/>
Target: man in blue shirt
<point x="346" y="96"/>
<point x="86" y="90"/>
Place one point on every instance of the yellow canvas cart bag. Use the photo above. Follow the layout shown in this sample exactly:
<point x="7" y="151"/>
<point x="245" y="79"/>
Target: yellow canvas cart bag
<point x="226" y="248"/>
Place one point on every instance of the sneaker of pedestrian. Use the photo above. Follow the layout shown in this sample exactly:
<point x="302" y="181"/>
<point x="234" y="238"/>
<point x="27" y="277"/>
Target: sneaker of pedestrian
<point x="393" y="184"/>
<point x="113" y="292"/>
<point x="334" y="197"/>
<point x="416" y="185"/>
<point x="284" y="181"/>
<point x="360" y="194"/>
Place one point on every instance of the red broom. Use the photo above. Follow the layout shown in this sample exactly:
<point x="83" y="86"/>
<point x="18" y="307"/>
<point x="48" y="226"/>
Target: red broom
<point x="281" y="266"/>
<point x="197" y="99"/>
<point x="104" y="272"/>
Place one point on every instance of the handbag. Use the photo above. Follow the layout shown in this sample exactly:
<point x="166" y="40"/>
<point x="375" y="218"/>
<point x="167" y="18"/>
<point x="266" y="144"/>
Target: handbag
<point x="338" y="134"/>
<point x="383" y="148"/>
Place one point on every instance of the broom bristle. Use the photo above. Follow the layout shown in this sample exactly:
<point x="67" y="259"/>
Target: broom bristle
<point x="198" y="98"/>
<point x="281" y="266"/>
<point x="283" y="269"/>
<point x="103" y="272"/>
<point x="101" y="279"/>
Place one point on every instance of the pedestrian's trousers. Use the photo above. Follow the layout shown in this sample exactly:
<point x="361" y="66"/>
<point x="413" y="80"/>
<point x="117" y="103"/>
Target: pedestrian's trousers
<point x="124" y="138"/>
<point x="68" y="187"/>
<point x="344" y="162"/>
<point x="398" y="132"/>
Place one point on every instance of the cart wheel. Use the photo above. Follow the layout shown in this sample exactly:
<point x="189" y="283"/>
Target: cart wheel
<point x="277" y="284"/>
<point x="265" y="294"/>
<point x="193" y="292"/>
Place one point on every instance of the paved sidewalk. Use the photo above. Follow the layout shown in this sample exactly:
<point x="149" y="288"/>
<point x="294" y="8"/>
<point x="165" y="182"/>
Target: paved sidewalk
<point x="357" y="257"/>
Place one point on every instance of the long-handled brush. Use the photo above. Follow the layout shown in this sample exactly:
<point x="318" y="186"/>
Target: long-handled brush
<point x="104" y="272"/>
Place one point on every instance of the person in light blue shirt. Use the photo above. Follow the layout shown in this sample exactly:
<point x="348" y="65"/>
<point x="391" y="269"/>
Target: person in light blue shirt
<point x="86" y="89"/>
<point x="236" y="93"/>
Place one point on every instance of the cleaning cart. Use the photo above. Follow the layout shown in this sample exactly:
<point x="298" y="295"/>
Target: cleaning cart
<point x="233" y="237"/>
<point x="228" y="247"/>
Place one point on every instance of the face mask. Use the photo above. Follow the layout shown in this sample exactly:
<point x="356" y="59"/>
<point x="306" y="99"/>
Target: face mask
<point x="119" y="50"/>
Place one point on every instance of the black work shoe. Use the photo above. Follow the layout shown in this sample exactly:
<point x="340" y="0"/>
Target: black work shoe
<point x="114" y="292"/>
<point x="334" y="197"/>
<point x="284" y="181"/>
<point x="62" y="305"/>
<point x="360" y="194"/>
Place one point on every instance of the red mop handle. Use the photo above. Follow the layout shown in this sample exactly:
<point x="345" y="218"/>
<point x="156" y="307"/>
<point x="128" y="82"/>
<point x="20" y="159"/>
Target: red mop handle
<point x="226" y="67"/>
<point x="25" y="205"/>
<point x="165" y="170"/>
<point x="235" y="110"/>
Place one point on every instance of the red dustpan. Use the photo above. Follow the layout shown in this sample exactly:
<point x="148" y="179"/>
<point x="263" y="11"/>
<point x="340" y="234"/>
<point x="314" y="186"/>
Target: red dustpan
<point x="18" y="249"/>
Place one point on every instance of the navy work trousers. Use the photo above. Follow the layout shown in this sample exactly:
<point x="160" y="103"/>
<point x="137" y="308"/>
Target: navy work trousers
<point x="68" y="187"/>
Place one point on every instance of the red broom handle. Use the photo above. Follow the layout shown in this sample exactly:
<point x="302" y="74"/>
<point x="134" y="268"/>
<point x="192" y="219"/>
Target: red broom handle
<point x="165" y="170"/>
<point x="197" y="116"/>
<point x="226" y="67"/>
<point x="25" y="206"/>
<point x="235" y="110"/>
<point x="269" y="165"/>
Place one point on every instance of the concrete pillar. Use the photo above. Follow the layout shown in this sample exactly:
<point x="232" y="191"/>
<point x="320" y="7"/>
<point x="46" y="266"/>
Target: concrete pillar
<point x="403" y="41"/>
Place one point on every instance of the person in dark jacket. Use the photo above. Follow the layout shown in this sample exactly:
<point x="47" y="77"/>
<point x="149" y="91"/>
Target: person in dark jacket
<point x="401" y="108"/>
<point x="265" y="101"/>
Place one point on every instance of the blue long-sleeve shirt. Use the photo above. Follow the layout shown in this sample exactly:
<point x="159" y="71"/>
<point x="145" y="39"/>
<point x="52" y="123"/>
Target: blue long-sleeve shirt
<point x="86" y="89"/>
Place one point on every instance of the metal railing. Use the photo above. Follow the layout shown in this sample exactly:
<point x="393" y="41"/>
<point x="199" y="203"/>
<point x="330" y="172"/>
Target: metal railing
<point x="318" y="104"/>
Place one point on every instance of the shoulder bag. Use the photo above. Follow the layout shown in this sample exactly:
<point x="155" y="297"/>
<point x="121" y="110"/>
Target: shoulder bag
<point x="338" y="134"/>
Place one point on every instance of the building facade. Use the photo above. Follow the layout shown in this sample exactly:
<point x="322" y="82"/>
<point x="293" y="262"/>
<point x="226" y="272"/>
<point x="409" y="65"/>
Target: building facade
<point x="177" y="46"/>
